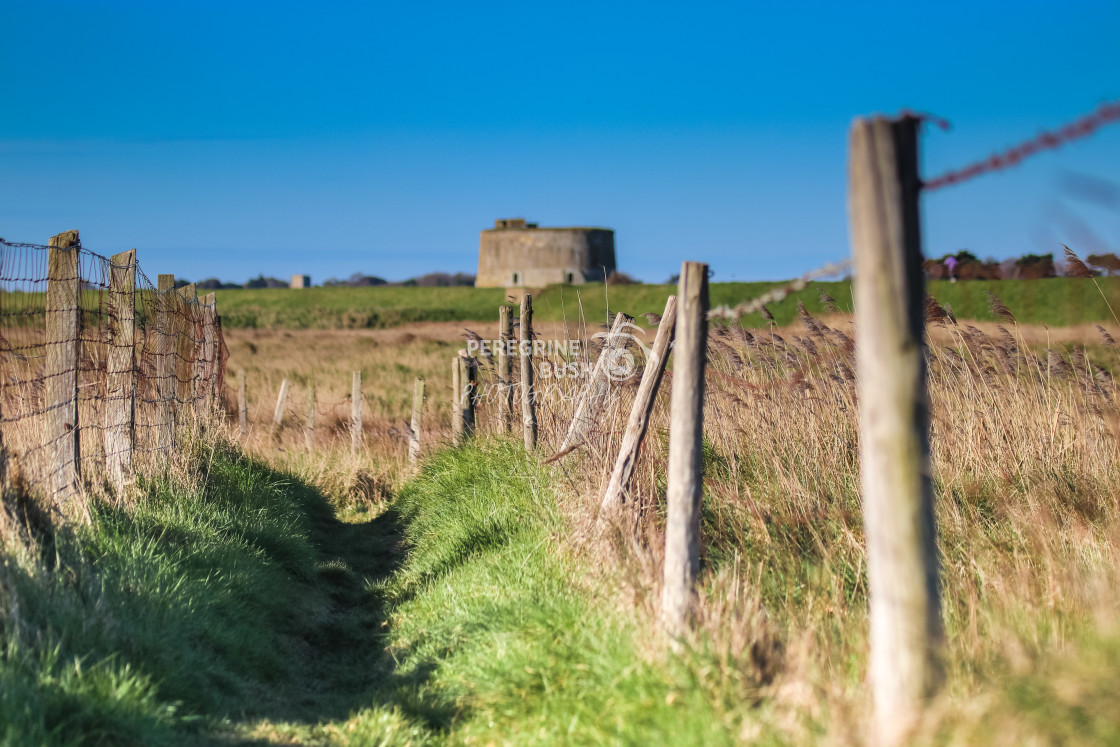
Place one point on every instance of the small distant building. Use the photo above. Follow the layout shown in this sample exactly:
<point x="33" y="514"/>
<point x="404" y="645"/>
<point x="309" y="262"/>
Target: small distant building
<point x="300" y="281"/>
<point x="515" y="253"/>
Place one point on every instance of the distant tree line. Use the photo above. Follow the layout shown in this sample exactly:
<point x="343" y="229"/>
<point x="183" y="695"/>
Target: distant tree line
<point x="357" y="280"/>
<point x="1027" y="267"/>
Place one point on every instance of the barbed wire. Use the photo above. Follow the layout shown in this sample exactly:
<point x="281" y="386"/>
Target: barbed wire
<point x="1106" y="114"/>
<point x="780" y="293"/>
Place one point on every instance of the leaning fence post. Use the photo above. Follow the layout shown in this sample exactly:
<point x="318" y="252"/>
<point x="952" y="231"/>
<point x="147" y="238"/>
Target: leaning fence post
<point x="589" y="406"/>
<point x="63" y="322"/>
<point x="686" y="436"/>
<point x="356" y="413"/>
<point x="166" y="345"/>
<point x="505" y="370"/>
<point x="309" y="421"/>
<point x="640" y="411"/>
<point x="906" y="628"/>
<point x="120" y="383"/>
<point x="417" y="412"/>
<point x="528" y="403"/>
<point x="242" y="404"/>
<point x="281" y="406"/>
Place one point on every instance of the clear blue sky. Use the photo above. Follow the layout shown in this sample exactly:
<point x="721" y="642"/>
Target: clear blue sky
<point x="232" y="138"/>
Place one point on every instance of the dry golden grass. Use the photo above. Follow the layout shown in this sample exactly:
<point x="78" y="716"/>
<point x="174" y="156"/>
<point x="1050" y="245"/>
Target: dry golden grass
<point x="1025" y="437"/>
<point x="1025" y="446"/>
<point x="390" y="361"/>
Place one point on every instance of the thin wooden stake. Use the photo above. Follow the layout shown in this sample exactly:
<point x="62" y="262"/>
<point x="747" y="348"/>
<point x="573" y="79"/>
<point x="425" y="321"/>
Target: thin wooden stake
<point x="594" y="394"/>
<point x="638" y="422"/>
<point x="309" y="421"/>
<point x="417" y="413"/>
<point x="906" y="628"/>
<point x="528" y="400"/>
<point x="120" y="381"/>
<point x="356" y="413"/>
<point x="281" y="407"/>
<point x="686" y="437"/>
<point x="505" y="370"/>
<point x="63" y="322"/>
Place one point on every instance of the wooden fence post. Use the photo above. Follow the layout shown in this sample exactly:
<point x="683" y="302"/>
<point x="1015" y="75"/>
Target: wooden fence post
<point x="218" y="390"/>
<point x="309" y="421"/>
<point x="242" y="404"/>
<point x="167" y="339"/>
<point x="902" y="567"/>
<point x="208" y="355"/>
<point x="186" y="324"/>
<point x="120" y="384"/>
<point x="594" y="393"/>
<point x="281" y="406"/>
<point x="686" y="436"/>
<point x="356" y="413"/>
<point x="640" y="411"/>
<point x="468" y="386"/>
<point x="63" y="322"/>
<point x="417" y="412"/>
<point x="528" y="403"/>
<point x="505" y="370"/>
<point x="456" y="409"/>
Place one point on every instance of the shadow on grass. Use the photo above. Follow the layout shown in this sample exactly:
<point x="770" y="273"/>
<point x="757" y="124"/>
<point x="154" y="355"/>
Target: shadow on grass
<point x="199" y="613"/>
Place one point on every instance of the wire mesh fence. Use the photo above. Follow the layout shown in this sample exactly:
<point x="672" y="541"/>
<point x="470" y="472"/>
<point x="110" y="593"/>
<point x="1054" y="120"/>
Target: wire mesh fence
<point x="103" y="372"/>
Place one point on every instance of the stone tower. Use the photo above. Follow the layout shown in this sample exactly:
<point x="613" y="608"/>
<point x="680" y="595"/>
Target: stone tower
<point x="515" y="253"/>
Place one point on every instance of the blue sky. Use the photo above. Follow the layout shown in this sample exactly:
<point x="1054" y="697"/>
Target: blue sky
<point x="231" y="139"/>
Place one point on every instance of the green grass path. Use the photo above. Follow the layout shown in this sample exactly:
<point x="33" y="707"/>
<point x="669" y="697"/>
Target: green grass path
<point x="245" y="611"/>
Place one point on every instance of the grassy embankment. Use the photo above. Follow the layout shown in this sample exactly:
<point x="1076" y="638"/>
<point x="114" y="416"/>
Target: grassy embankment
<point x="170" y="621"/>
<point x="242" y="609"/>
<point x="1055" y="302"/>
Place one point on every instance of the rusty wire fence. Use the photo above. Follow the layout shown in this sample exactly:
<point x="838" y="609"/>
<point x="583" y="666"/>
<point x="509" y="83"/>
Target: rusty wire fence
<point x="102" y="372"/>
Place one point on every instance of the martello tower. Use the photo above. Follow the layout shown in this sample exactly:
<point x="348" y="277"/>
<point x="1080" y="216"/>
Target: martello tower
<point x="516" y="253"/>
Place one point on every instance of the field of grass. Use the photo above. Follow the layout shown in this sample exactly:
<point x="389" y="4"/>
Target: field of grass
<point x="1056" y="302"/>
<point x="277" y="593"/>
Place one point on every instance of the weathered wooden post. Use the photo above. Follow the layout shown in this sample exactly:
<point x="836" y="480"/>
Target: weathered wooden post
<point x="208" y="308"/>
<point x="417" y="413"/>
<point x="281" y="406"/>
<point x="356" y="413"/>
<point x="166" y="345"/>
<point x="640" y="411"/>
<point x="902" y="567"/>
<point x="592" y="397"/>
<point x="528" y="401"/>
<point x="63" y="322"/>
<point x="468" y="382"/>
<point x="686" y="435"/>
<point x="185" y="323"/>
<point x="309" y="421"/>
<point x="120" y="383"/>
<point x="456" y="408"/>
<point x="505" y="370"/>
<point x="242" y="405"/>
